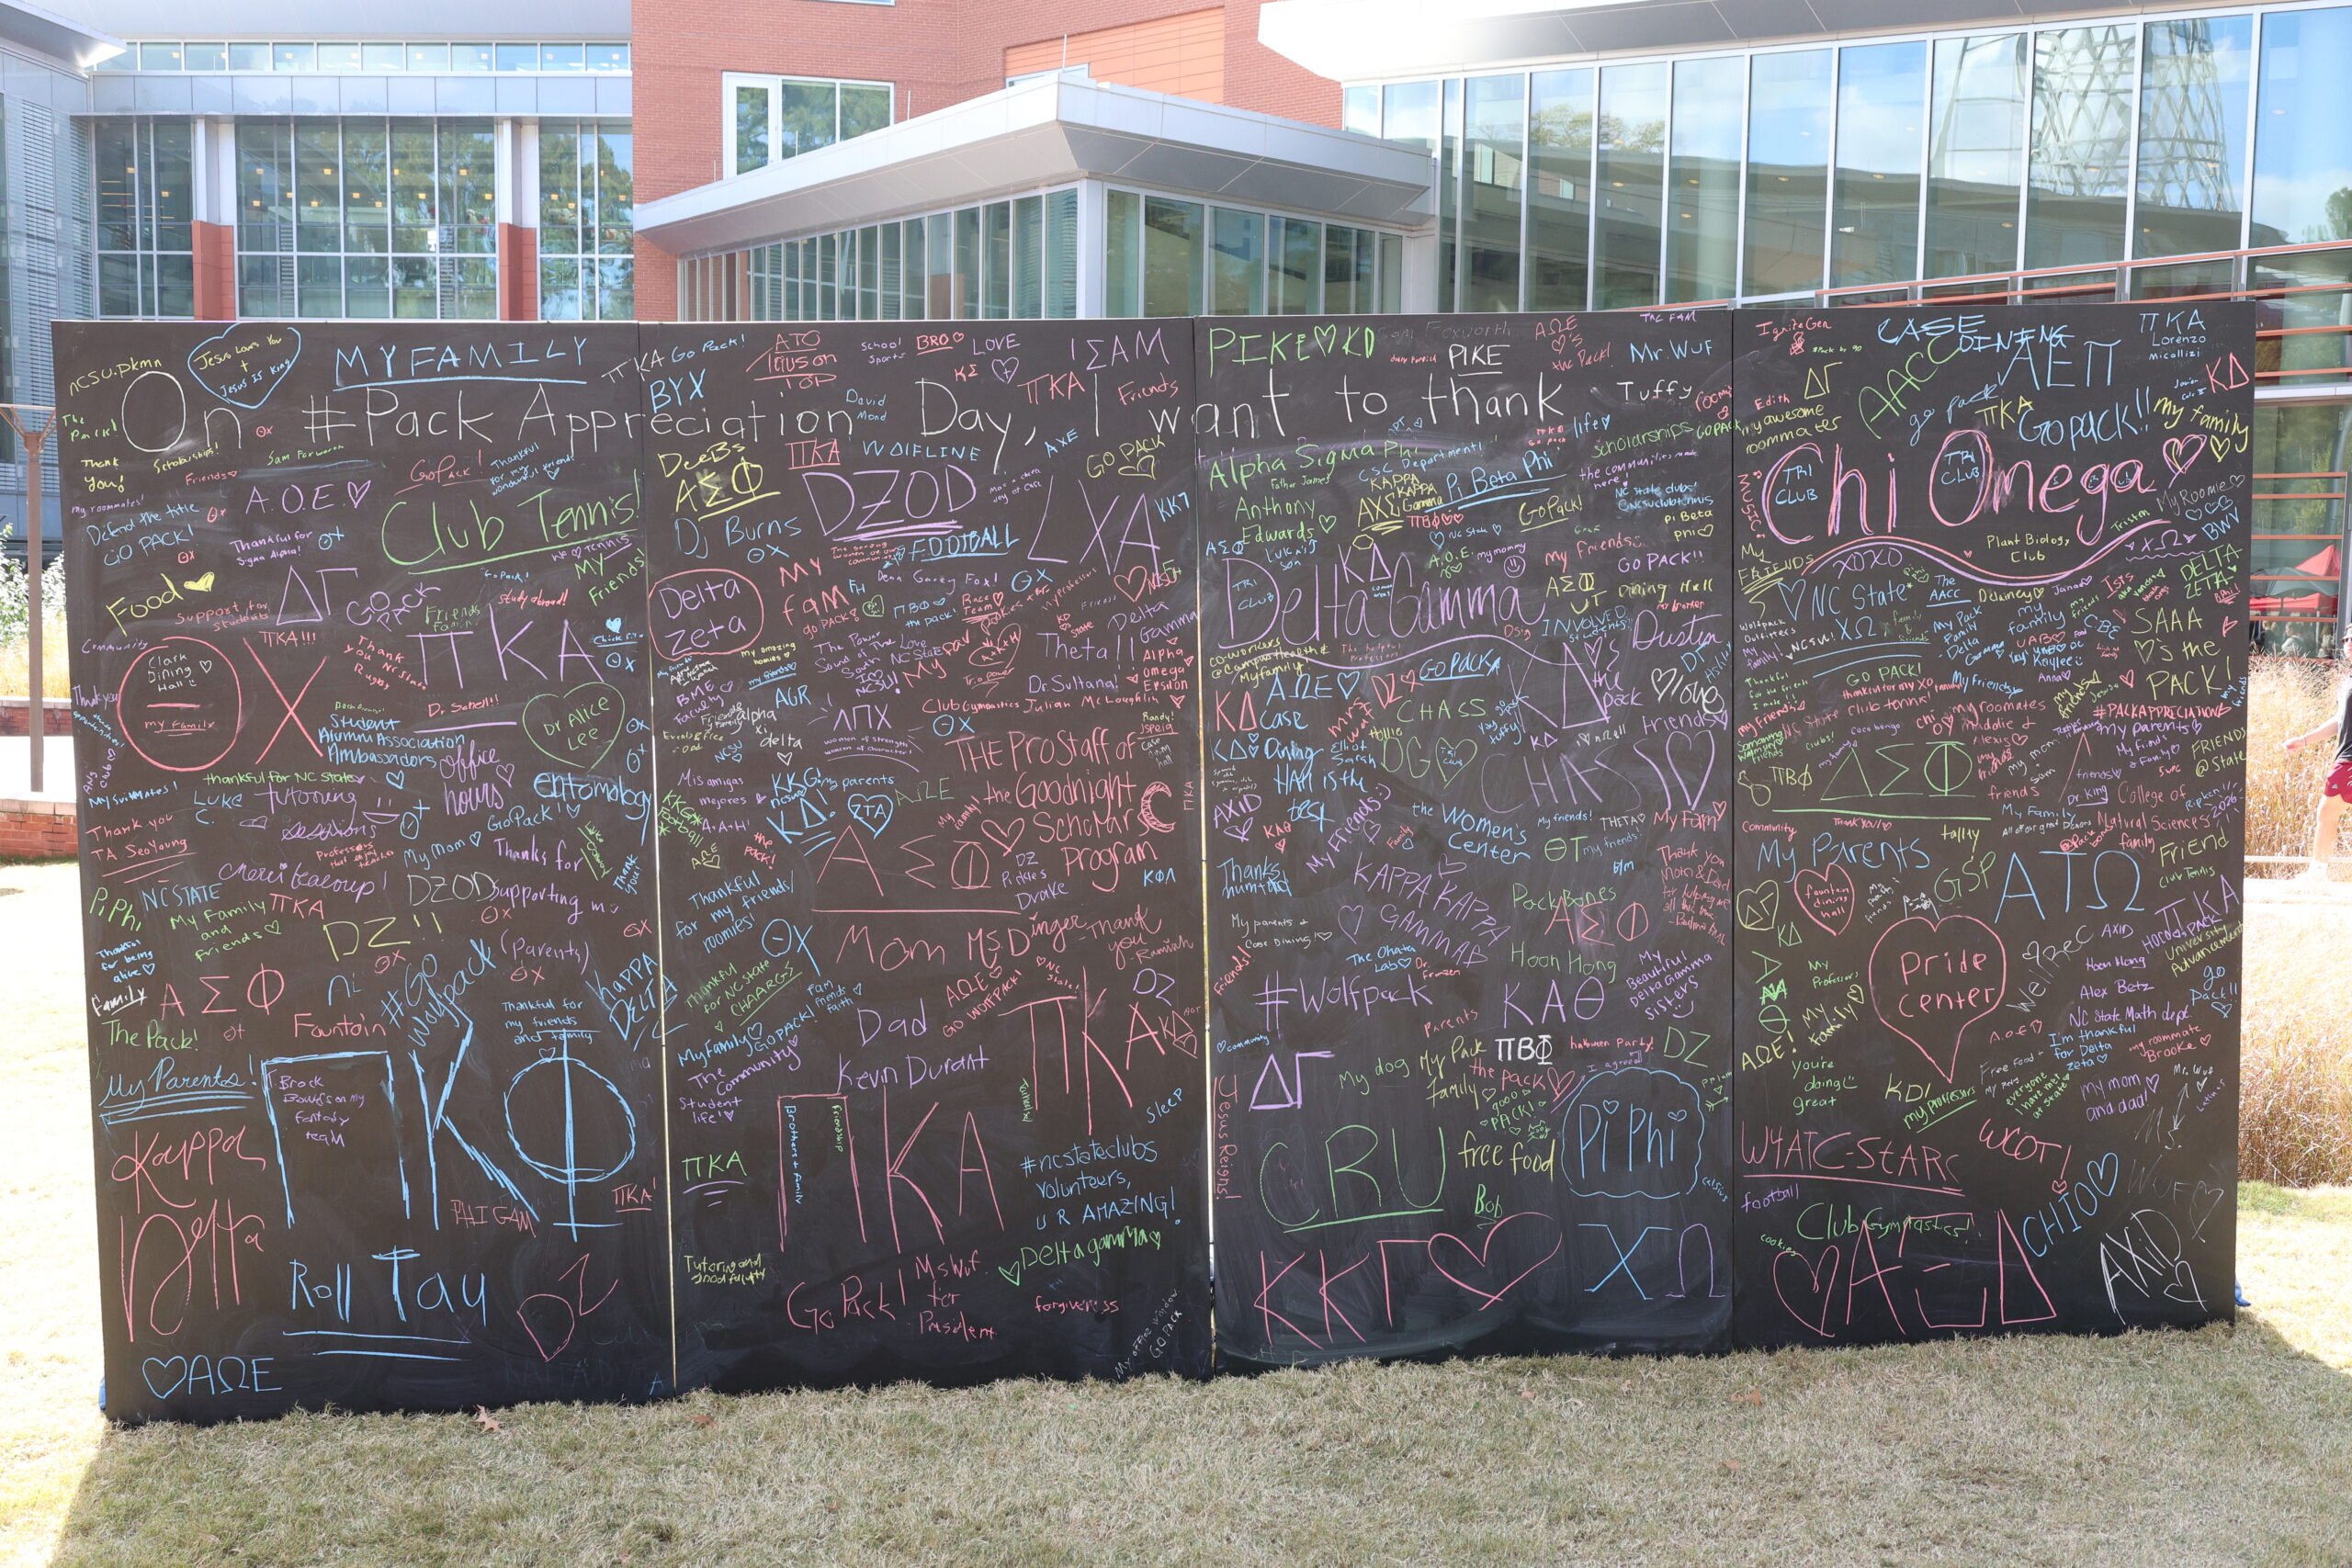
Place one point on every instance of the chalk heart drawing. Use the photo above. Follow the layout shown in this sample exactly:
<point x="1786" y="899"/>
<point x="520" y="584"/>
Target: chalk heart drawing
<point x="1814" y="1284"/>
<point x="576" y="726"/>
<point x="872" y="811"/>
<point x="1759" y="908"/>
<point x="244" y="365"/>
<point x="1461" y="1263"/>
<point x="1005" y="836"/>
<point x="1931" y="979"/>
<point x="1351" y="919"/>
<point x="996" y="651"/>
<point x="1826" y="897"/>
<point x="1451" y="757"/>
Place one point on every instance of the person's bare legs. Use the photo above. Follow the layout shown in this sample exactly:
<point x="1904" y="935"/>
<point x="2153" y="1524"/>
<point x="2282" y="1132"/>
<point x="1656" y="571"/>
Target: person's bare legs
<point x="2323" y="827"/>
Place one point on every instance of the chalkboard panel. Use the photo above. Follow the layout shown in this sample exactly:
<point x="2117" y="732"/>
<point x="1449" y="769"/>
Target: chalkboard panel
<point x="1991" y="728"/>
<point x="360" y="693"/>
<point x="1467" y="631"/>
<point x="924" y="618"/>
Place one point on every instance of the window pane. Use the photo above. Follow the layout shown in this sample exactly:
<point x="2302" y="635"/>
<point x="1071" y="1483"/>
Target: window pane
<point x="616" y="287"/>
<point x="939" y="268"/>
<point x="893" y="289"/>
<point x="615" y="190"/>
<point x="828" y="284"/>
<point x="1174" y="251"/>
<point x="294" y="57"/>
<point x="1392" y="273"/>
<point x="1632" y="176"/>
<point x="865" y="108"/>
<point x="1882" y="94"/>
<point x="249" y="57"/>
<point x="159" y="57"/>
<point x="517" y="57"/>
<point x="1123" y="255"/>
<point x="869" y="273"/>
<point x="558" y="189"/>
<point x="365" y="188"/>
<point x="1702" y="181"/>
<point x="968" y="262"/>
<point x="1238" y="285"/>
<point x="1787" y="165"/>
<point x="318" y="207"/>
<point x="468" y="188"/>
<point x="1975" y="155"/>
<point x="265" y="201"/>
<point x="997" y="219"/>
<point x="1409" y="114"/>
<point x="1359" y="110"/>
<point x="412" y="203"/>
<point x="366" y="286"/>
<point x="428" y="57"/>
<point x="751" y="128"/>
<point x="804" y="118"/>
<point x="1061" y="253"/>
<point x="1493" y="185"/>
<point x="1449" y="198"/>
<point x="1559" y="218"/>
<point x="176" y="285"/>
<point x="913" y="273"/>
<point x="208" y="57"/>
<point x="608" y="57"/>
<point x="381" y="57"/>
<point x="2192" y="136"/>
<point x="562" y="57"/>
<point x="1347" y="270"/>
<point x="416" y="294"/>
<point x="2302" y="170"/>
<point x="320" y="282"/>
<point x="115" y="142"/>
<point x="338" y="57"/>
<point x="171" y="197"/>
<point x="257" y="286"/>
<point x="1296" y="249"/>
<point x="472" y="291"/>
<point x="1029" y="258"/>
<point x="2082" y="145"/>
<point x="118" y="287"/>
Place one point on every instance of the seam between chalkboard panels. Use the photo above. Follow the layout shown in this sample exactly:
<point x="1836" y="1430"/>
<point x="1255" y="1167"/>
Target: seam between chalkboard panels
<point x="1206" y="1185"/>
<point x="660" y="948"/>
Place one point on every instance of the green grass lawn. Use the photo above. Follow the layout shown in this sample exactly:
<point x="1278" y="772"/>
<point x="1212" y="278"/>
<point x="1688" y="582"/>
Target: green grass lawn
<point x="2229" y="1446"/>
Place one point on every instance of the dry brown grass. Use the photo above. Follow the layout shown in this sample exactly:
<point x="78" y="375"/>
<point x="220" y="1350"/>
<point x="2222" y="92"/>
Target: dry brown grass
<point x="2288" y="696"/>
<point x="14" y="659"/>
<point x="2295" y="1106"/>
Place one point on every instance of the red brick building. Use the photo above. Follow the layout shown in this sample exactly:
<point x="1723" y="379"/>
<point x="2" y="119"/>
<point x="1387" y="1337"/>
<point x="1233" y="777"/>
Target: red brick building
<point x="931" y="54"/>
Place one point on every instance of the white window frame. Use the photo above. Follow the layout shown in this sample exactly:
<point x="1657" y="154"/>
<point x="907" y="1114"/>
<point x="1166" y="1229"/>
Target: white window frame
<point x="769" y="81"/>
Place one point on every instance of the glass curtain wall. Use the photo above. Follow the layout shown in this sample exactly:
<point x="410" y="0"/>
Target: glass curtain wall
<point x="2195" y="92"/>
<point x="367" y="218"/>
<point x="1494" y="190"/>
<point x="587" y="267"/>
<point x="1003" y="261"/>
<point x="2302" y="154"/>
<point x="1976" y="154"/>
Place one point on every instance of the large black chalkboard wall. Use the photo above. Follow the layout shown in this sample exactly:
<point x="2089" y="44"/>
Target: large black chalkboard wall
<point x="361" y="723"/>
<point x="621" y="858"/>
<point x="1991" y="721"/>
<point x="922" y="625"/>
<point x="1466" y="622"/>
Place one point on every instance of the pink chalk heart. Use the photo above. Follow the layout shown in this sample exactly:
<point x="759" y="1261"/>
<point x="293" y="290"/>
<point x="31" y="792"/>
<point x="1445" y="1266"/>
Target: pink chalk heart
<point x="1826" y="897"/>
<point x="1814" y="1282"/>
<point x="1531" y="1229"/>
<point x="1931" y="979"/>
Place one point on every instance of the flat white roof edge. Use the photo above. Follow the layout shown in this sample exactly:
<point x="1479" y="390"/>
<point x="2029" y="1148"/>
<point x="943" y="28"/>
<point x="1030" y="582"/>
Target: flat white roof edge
<point x="1043" y="132"/>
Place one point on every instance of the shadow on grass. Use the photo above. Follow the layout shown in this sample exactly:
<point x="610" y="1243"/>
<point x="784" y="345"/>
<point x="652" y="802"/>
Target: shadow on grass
<point x="2224" y="1445"/>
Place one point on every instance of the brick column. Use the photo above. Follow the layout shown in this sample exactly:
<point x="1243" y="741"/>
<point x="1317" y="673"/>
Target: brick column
<point x="214" y="207"/>
<point x="518" y="220"/>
